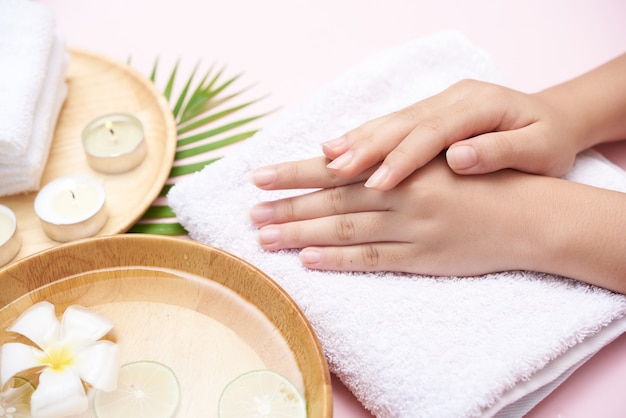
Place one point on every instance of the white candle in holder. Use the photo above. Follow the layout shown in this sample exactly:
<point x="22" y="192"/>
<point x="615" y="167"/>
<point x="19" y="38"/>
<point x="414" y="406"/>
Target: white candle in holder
<point x="71" y="208"/>
<point x="114" y="143"/>
<point x="10" y="242"/>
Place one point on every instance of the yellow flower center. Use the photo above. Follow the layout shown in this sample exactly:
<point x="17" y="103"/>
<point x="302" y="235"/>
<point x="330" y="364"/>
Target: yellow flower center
<point x="58" y="357"/>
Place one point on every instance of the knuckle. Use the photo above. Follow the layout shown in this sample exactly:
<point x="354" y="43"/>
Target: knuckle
<point x="333" y="200"/>
<point x="503" y="145"/>
<point x="469" y="84"/>
<point x="371" y="256"/>
<point x="435" y="123"/>
<point x="476" y="91"/>
<point x="292" y="236"/>
<point x="288" y="210"/>
<point x="339" y="259"/>
<point x="291" y="172"/>
<point x="410" y="113"/>
<point x="344" y="229"/>
<point x="333" y="179"/>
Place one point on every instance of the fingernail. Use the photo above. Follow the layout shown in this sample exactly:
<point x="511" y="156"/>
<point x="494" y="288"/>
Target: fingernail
<point x="261" y="213"/>
<point x="335" y="143"/>
<point x="461" y="157"/>
<point x="310" y="256"/>
<point x="341" y="161"/>
<point x="268" y="235"/>
<point x="263" y="176"/>
<point x="378" y="176"/>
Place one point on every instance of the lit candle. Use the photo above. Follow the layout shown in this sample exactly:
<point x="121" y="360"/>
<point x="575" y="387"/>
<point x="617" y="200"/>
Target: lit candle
<point x="114" y="143"/>
<point x="9" y="239"/>
<point x="71" y="208"/>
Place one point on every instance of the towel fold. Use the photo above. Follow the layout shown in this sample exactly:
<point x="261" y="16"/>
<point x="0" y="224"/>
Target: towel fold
<point x="26" y="38"/>
<point x="22" y="173"/>
<point x="409" y="345"/>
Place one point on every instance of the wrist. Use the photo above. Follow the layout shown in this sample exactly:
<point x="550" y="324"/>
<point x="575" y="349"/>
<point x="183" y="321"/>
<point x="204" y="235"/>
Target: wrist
<point x="593" y="104"/>
<point x="577" y="126"/>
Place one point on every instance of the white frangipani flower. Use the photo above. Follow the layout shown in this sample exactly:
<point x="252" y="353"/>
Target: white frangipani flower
<point x="68" y="353"/>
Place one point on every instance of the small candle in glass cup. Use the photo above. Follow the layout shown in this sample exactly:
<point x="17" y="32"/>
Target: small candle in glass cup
<point x="114" y="143"/>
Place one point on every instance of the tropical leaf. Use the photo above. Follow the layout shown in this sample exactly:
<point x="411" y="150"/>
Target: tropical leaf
<point x="207" y="121"/>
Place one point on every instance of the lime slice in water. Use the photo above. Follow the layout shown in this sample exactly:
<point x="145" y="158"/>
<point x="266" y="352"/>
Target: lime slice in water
<point x="145" y="389"/>
<point x="261" y="394"/>
<point x="15" y="399"/>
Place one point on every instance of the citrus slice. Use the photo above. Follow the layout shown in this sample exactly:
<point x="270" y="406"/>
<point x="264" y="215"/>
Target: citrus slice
<point x="15" y="399"/>
<point x="144" y="389"/>
<point x="261" y="394"/>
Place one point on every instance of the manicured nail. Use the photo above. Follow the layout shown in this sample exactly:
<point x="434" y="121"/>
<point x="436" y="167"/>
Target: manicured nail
<point x="378" y="176"/>
<point x="261" y="213"/>
<point x="268" y="235"/>
<point x="310" y="256"/>
<point x="335" y="143"/>
<point x="461" y="157"/>
<point x="263" y="176"/>
<point x="341" y="161"/>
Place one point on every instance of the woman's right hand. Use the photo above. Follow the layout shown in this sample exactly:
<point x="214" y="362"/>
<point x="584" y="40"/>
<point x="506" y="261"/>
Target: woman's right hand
<point x="484" y="127"/>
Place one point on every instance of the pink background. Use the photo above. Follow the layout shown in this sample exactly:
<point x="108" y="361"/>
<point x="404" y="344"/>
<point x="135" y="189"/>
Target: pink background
<point x="290" y="48"/>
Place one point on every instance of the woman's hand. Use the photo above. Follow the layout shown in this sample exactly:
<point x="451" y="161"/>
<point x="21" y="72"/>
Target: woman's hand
<point x="434" y="222"/>
<point x="485" y="127"/>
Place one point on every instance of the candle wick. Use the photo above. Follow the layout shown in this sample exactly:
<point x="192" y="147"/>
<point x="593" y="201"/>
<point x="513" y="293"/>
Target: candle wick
<point x="109" y="126"/>
<point x="73" y="195"/>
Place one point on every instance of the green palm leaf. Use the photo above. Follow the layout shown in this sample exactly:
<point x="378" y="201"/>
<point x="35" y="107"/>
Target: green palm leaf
<point x="203" y="112"/>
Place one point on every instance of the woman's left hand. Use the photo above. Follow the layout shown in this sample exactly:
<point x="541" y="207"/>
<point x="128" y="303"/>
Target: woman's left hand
<point x="435" y="222"/>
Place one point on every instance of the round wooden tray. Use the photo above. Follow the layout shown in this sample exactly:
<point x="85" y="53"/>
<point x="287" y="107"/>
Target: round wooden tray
<point x="99" y="85"/>
<point x="201" y="311"/>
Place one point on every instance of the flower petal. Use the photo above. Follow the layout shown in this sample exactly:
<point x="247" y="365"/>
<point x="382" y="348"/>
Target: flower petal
<point x="38" y="323"/>
<point x="59" y="394"/>
<point x="17" y="357"/>
<point x="99" y="363"/>
<point x="82" y="326"/>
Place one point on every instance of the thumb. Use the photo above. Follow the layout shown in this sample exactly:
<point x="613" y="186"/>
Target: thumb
<point x="486" y="153"/>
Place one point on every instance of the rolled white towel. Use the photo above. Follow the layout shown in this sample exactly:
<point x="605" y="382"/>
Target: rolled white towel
<point x="23" y="173"/>
<point x="26" y="38"/>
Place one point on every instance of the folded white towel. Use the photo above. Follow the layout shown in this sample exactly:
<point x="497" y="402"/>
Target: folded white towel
<point x="26" y="37"/>
<point x="408" y="345"/>
<point x="23" y="173"/>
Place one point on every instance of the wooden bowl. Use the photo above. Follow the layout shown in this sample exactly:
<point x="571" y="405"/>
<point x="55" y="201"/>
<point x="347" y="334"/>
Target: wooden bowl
<point x="205" y="313"/>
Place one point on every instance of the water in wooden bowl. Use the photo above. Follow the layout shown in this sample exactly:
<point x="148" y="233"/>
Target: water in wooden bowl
<point x="202" y="312"/>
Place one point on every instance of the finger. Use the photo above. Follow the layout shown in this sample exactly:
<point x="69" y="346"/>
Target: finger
<point x="348" y="229"/>
<point x="372" y="141"/>
<point x="311" y="173"/>
<point x="461" y="117"/>
<point x="511" y="149"/>
<point x="318" y="204"/>
<point x="378" y="256"/>
<point x="334" y="148"/>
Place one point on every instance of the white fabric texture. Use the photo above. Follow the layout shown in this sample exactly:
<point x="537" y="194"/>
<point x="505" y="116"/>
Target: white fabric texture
<point x="406" y="345"/>
<point x="22" y="173"/>
<point x="26" y="38"/>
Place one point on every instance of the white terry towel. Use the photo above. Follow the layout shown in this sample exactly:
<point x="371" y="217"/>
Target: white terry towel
<point x="407" y="345"/>
<point x="26" y="38"/>
<point x="23" y="173"/>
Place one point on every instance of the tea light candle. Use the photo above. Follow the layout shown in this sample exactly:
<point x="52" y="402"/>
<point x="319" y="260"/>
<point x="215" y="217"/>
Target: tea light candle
<point x="71" y="208"/>
<point x="114" y="143"/>
<point x="10" y="242"/>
